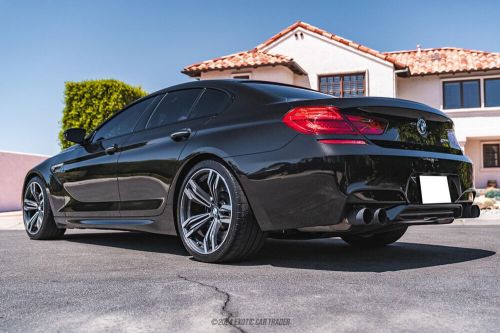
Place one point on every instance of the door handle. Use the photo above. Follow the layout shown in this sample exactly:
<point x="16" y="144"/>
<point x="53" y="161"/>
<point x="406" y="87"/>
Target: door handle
<point x="111" y="150"/>
<point x="180" y="135"/>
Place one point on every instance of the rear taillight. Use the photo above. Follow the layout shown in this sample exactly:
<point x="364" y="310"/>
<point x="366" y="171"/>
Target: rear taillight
<point x="318" y="120"/>
<point x="329" y="120"/>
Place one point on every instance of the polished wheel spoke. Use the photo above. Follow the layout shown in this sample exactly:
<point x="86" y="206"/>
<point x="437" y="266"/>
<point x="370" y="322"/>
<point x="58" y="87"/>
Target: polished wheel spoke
<point x="205" y="211"/>
<point x="213" y="182"/>
<point x="225" y="214"/>
<point x="33" y="208"/>
<point x="30" y="205"/>
<point x="210" y="238"/>
<point x="197" y="194"/>
<point x="195" y="219"/>
<point x="213" y="234"/>
<point x="197" y="227"/>
<point x="33" y="192"/>
<point x="195" y="222"/>
<point x="29" y="225"/>
<point x="39" y="220"/>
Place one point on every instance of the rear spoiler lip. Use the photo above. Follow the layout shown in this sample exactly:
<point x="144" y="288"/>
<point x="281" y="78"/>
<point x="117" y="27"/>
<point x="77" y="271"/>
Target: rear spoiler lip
<point x="369" y="101"/>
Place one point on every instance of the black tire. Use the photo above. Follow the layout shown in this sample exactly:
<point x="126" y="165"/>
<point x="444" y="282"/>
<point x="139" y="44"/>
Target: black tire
<point x="244" y="237"/>
<point x="48" y="228"/>
<point x="375" y="240"/>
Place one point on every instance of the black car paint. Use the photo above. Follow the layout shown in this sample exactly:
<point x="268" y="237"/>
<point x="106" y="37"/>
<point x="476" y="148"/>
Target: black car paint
<point x="291" y="180"/>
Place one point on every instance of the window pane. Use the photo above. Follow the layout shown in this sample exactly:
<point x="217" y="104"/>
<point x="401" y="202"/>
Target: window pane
<point x="360" y="84"/>
<point x="491" y="155"/>
<point x="347" y="85"/>
<point x="210" y="103"/>
<point x="347" y="88"/>
<point x="471" y="94"/>
<point x="492" y="92"/>
<point x="124" y="121"/>
<point x="174" y="107"/>
<point x="335" y="88"/>
<point x="451" y="96"/>
<point x="354" y="85"/>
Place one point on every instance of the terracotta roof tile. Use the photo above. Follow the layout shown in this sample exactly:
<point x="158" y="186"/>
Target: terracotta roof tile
<point x="324" y="33"/>
<point x="260" y="57"/>
<point x="419" y="62"/>
<point x="253" y="58"/>
<point x="446" y="60"/>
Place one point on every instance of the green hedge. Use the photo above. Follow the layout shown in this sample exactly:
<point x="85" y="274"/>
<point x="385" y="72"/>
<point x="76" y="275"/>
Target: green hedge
<point x="89" y="103"/>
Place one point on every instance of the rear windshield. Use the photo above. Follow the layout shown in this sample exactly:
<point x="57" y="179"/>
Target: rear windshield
<point x="287" y="92"/>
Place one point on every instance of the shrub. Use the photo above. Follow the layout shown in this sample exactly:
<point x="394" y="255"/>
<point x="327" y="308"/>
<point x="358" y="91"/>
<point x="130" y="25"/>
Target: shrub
<point x="89" y="103"/>
<point x="493" y="194"/>
<point x="488" y="203"/>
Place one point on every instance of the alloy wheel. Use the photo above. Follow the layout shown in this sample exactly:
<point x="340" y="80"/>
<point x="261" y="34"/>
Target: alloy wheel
<point x="205" y="211"/>
<point x="33" y="208"/>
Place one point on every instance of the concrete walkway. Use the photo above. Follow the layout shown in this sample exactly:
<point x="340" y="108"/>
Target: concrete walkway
<point x="14" y="220"/>
<point x="11" y="221"/>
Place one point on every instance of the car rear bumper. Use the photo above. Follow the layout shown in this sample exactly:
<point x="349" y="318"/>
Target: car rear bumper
<point x="308" y="184"/>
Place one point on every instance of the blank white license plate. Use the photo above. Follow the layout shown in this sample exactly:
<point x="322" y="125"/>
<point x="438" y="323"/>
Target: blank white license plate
<point x="434" y="189"/>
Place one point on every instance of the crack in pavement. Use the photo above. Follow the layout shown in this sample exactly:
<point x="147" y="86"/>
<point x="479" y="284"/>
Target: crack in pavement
<point x="227" y="298"/>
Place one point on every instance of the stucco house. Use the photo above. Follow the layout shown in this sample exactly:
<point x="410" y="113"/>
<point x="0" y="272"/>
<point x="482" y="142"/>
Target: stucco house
<point x="463" y="83"/>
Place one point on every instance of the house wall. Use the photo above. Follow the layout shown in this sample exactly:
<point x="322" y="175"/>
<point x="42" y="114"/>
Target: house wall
<point x="472" y="126"/>
<point x="423" y="89"/>
<point x="13" y="169"/>
<point x="279" y="74"/>
<point x="473" y="149"/>
<point x="319" y="56"/>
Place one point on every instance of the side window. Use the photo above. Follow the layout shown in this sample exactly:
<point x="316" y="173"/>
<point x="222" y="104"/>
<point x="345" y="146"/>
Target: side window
<point x="461" y="94"/>
<point x="174" y="107"/>
<point x="211" y="102"/>
<point x="123" y="122"/>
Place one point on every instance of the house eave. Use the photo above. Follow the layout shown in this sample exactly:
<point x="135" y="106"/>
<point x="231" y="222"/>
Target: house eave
<point x="293" y="66"/>
<point x="475" y="71"/>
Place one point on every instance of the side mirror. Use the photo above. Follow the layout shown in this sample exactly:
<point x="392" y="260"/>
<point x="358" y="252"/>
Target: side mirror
<point x="76" y="135"/>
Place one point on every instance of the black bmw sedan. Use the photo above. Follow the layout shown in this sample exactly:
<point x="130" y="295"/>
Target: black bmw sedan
<point x="225" y="163"/>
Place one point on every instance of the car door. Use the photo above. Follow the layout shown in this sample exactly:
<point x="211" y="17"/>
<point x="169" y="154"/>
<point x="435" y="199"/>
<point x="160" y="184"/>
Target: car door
<point x="150" y="159"/>
<point x="89" y="174"/>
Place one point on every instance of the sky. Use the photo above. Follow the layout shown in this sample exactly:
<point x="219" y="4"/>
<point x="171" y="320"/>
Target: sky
<point x="147" y="43"/>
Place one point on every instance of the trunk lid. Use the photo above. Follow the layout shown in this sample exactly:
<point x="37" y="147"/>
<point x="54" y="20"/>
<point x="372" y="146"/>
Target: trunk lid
<point x="410" y="125"/>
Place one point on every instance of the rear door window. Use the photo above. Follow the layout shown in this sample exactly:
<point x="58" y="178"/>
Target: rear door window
<point x="210" y="103"/>
<point x="174" y="107"/>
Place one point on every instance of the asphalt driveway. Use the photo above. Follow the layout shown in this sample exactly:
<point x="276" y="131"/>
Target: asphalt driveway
<point x="438" y="278"/>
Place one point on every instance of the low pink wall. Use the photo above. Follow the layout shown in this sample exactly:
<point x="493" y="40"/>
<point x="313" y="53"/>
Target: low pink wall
<point x="13" y="169"/>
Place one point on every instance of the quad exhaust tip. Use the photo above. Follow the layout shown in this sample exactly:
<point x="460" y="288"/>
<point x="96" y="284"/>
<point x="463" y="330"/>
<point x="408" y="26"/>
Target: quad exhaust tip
<point x="361" y="216"/>
<point x="471" y="211"/>
<point x="380" y="216"/>
<point x="365" y="216"/>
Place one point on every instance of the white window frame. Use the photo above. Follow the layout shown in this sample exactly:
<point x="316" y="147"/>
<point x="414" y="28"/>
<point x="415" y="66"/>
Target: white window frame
<point x="349" y="72"/>
<point x="481" y="79"/>
<point x="482" y="158"/>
